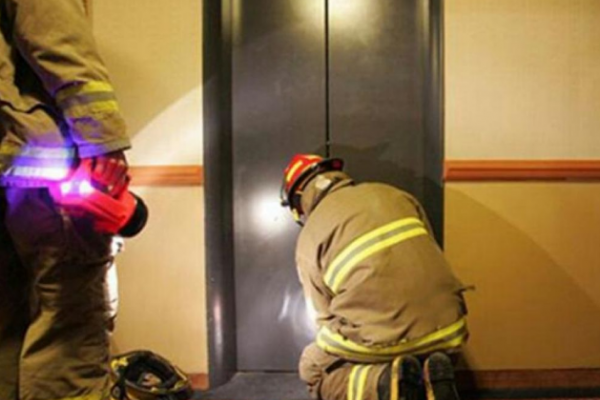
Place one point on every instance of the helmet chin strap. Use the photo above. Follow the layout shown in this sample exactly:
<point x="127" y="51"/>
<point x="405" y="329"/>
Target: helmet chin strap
<point x="298" y="218"/>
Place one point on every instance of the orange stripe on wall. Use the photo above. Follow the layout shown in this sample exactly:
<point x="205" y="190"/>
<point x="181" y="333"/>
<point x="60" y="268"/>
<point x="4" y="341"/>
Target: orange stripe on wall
<point x="185" y="175"/>
<point x="454" y="171"/>
<point x="521" y="170"/>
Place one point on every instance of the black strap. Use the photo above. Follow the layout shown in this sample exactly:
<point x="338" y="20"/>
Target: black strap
<point x="118" y="390"/>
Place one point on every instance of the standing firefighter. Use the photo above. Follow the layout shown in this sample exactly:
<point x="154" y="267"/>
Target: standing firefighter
<point x="57" y="111"/>
<point x="384" y="295"/>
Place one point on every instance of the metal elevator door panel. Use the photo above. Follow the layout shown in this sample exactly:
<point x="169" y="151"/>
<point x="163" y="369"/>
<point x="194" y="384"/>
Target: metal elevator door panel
<point x="278" y="82"/>
<point x="354" y="74"/>
<point x="383" y="121"/>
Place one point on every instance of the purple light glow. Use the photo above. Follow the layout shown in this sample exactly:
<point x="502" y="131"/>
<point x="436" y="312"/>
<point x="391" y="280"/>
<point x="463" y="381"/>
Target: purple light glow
<point x="81" y="188"/>
<point x="65" y="188"/>
<point x="85" y="188"/>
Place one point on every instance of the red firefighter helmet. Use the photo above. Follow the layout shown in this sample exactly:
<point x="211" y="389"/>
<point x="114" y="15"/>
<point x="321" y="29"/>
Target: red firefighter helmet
<point x="298" y="173"/>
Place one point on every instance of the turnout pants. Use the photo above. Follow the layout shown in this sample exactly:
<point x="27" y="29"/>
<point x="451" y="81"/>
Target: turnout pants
<point x="330" y="377"/>
<point x="334" y="368"/>
<point x="54" y="309"/>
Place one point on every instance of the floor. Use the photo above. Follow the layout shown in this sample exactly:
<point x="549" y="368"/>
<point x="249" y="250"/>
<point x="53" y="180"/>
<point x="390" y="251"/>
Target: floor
<point x="287" y="386"/>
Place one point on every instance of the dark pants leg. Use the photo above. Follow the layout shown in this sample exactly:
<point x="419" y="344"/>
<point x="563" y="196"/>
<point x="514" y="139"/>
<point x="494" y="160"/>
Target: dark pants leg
<point x="14" y="309"/>
<point x="65" y="348"/>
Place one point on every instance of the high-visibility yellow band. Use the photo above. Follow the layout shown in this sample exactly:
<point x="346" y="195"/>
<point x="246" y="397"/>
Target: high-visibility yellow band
<point x="373" y="234"/>
<point x="88" y="98"/>
<point x="293" y="171"/>
<point x="330" y="348"/>
<point x="84" y="99"/>
<point x="394" y="378"/>
<point x="446" y="338"/>
<point x="369" y="244"/>
<point x="352" y="383"/>
<point x="91" y="396"/>
<point x="357" y="382"/>
<point x="362" y="382"/>
<point x="88" y="110"/>
<point x="82" y="89"/>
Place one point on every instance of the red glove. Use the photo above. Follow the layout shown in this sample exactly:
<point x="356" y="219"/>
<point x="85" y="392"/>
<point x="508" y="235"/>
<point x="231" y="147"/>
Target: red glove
<point x="110" y="171"/>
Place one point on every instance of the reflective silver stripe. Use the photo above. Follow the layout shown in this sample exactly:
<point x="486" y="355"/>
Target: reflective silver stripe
<point x="369" y="244"/>
<point x="85" y="99"/>
<point x="35" y="162"/>
<point x="334" y="343"/>
<point x="327" y="343"/>
<point x="46" y="173"/>
<point x="39" y="152"/>
<point x="88" y="98"/>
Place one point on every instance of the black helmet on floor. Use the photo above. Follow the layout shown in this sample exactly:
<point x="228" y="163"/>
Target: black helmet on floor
<point x="144" y="375"/>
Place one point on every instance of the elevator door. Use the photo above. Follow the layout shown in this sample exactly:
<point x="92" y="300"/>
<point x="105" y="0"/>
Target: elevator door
<point x="349" y="77"/>
<point x="278" y="109"/>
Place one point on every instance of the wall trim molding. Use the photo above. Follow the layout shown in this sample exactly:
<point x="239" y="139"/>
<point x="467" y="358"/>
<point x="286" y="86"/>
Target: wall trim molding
<point x="521" y="170"/>
<point x="168" y="175"/>
<point x="454" y="171"/>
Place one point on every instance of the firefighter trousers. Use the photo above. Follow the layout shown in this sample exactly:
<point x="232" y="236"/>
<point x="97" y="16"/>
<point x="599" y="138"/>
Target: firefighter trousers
<point x="54" y="309"/>
<point x="329" y="377"/>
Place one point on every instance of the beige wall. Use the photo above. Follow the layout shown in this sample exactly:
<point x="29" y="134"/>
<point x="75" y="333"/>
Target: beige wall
<point x="531" y="250"/>
<point x="523" y="82"/>
<point x="523" y="79"/>
<point x="162" y="280"/>
<point x="153" y="51"/>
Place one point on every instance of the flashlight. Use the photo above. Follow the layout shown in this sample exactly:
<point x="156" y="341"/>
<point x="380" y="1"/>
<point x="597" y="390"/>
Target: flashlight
<point x="125" y="214"/>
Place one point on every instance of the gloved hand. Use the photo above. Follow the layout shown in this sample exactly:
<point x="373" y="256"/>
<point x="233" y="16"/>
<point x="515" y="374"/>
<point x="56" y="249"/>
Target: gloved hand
<point x="110" y="171"/>
<point x="98" y="187"/>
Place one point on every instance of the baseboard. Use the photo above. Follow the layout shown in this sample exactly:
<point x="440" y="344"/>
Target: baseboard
<point x="529" y="384"/>
<point x="564" y="383"/>
<point x="199" y="381"/>
<point x="515" y="379"/>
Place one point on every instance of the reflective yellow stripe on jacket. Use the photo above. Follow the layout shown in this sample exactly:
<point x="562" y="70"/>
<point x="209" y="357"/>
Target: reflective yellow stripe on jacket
<point x="81" y="100"/>
<point x="446" y="338"/>
<point x="369" y="244"/>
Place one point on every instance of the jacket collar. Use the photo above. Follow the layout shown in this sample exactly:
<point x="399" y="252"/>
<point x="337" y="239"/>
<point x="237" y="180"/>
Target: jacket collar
<point x="321" y="186"/>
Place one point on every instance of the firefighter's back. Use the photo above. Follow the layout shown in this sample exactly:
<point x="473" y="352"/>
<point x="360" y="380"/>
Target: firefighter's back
<point x="388" y="279"/>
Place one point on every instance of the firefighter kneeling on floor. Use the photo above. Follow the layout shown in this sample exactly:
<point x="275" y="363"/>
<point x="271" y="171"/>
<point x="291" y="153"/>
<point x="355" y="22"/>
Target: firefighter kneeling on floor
<point x="390" y="312"/>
